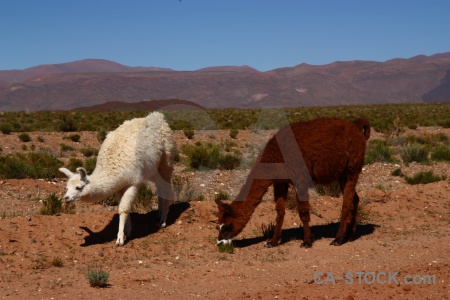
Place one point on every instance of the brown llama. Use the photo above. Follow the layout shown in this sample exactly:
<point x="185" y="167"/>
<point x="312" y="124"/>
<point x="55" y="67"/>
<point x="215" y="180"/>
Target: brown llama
<point x="313" y="152"/>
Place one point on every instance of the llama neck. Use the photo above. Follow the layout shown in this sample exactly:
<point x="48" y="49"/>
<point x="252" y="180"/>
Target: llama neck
<point x="247" y="200"/>
<point x="99" y="188"/>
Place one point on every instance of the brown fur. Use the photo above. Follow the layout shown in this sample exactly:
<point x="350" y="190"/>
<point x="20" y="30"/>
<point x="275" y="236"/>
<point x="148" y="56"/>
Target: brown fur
<point x="331" y="149"/>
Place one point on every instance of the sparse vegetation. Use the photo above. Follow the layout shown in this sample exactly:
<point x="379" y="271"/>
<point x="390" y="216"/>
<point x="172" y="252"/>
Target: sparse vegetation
<point x="227" y="248"/>
<point x="6" y="128"/>
<point x="74" y="163"/>
<point x="333" y="189"/>
<point x="414" y="152"/>
<point x="74" y="137"/>
<point x="233" y="133"/>
<point x="144" y="200"/>
<point x="378" y="151"/>
<point x="65" y="148"/>
<point x="397" y="172"/>
<point x="89" y="164"/>
<point x="441" y="153"/>
<point x="97" y="278"/>
<point x="29" y="165"/>
<point x="381" y="117"/>
<point x="88" y="152"/>
<point x="424" y="178"/>
<point x="57" y="262"/>
<point x="363" y="213"/>
<point x="25" y="137"/>
<point x="53" y="205"/>
<point x="101" y="135"/>
<point x="184" y="191"/>
<point x="189" y="133"/>
<point x="221" y="195"/>
<point x="209" y="156"/>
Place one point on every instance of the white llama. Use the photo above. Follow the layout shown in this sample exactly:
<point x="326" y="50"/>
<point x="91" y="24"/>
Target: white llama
<point x="139" y="150"/>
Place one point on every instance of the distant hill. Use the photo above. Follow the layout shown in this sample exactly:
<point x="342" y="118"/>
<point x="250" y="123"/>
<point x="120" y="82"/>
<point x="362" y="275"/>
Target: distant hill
<point x="92" y="82"/>
<point x="81" y="66"/>
<point x="171" y="104"/>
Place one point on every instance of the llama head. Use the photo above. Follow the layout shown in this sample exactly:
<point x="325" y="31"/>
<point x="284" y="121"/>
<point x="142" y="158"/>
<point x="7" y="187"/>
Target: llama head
<point x="225" y="223"/>
<point x="76" y="184"/>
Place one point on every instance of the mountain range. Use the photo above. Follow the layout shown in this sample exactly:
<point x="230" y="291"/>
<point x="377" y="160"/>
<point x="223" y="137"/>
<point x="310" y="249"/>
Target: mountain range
<point x="92" y="82"/>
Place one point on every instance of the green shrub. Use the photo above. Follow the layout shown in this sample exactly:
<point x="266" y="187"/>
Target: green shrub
<point x="6" y="128"/>
<point x="57" y="262"/>
<point x="40" y="139"/>
<point x="144" y="199"/>
<point x="88" y="152"/>
<point x="98" y="278"/>
<point x="227" y="248"/>
<point x="414" y="152"/>
<point x="397" y="172"/>
<point x="229" y="161"/>
<point x="189" y="133"/>
<point x="101" y="135"/>
<point x="209" y="156"/>
<point x="25" y="137"/>
<point x="363" y="211"/>
<point x="424" y="178"/>
<point x="184" y="191"/>
<point x="333" y="189"/>
<point x="445" y="123"/>
<point x="221" y="195"/>
<point x="378" y="151"/>
<point x="89" y="164"/>
<point x="65" y="148"/>
<point x="441" y="153"/>
<point x="233" y="133"/>
<point x="74" y="163"/>
<point x="202" y="155"/>
<point x="14" y="167"/>
<point x="30" y="165"/>
<point x="67" y="124"/>
<point x="53" y="205"/>
<point x="74" y="137"/>
<point x="440" y="137"/>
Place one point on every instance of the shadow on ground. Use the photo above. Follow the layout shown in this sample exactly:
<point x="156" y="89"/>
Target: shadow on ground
<point x="318" y="231"/>
<point x="142" y="225"/>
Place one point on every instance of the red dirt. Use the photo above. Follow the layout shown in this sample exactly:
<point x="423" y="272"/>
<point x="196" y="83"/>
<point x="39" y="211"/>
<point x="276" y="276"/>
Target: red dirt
<point x="407" y="231"/>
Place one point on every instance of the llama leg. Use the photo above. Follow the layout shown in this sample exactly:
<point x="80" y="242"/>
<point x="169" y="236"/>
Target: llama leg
<point x="303" y="211"/>
<point x="124" y="210"/>
<point x="164" y="187"/>
<point x="354" y="215"/>
<point x="348" y="206"/>
<point x="280" y="191"/>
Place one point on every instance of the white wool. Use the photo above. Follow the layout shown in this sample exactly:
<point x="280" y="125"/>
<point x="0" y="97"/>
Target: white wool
<point x="138" y="151"/>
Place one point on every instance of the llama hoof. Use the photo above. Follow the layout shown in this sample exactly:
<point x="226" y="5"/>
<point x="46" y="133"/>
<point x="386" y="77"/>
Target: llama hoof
<point x="162" y="225"/>
<point x="268" y="245"/>
<point x="305" y="245"/>
<point x="120" y="240"/>
<point x="335" y="243"/>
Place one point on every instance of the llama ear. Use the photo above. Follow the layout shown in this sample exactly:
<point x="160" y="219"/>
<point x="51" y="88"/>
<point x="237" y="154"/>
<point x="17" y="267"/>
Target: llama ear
<point x="66" y="172"/>
<point x="219" y="203"/>
<point x="83" y="174"/>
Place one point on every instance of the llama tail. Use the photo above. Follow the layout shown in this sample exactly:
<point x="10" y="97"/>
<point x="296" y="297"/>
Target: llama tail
<point x="365" y="126"/>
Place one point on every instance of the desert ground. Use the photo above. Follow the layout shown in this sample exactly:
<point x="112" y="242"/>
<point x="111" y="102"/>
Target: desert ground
<point x="400" y="251"/>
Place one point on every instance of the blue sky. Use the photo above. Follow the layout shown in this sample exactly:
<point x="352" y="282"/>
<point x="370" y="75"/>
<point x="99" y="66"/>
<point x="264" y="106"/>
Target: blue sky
<point x="193" y="34"/>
